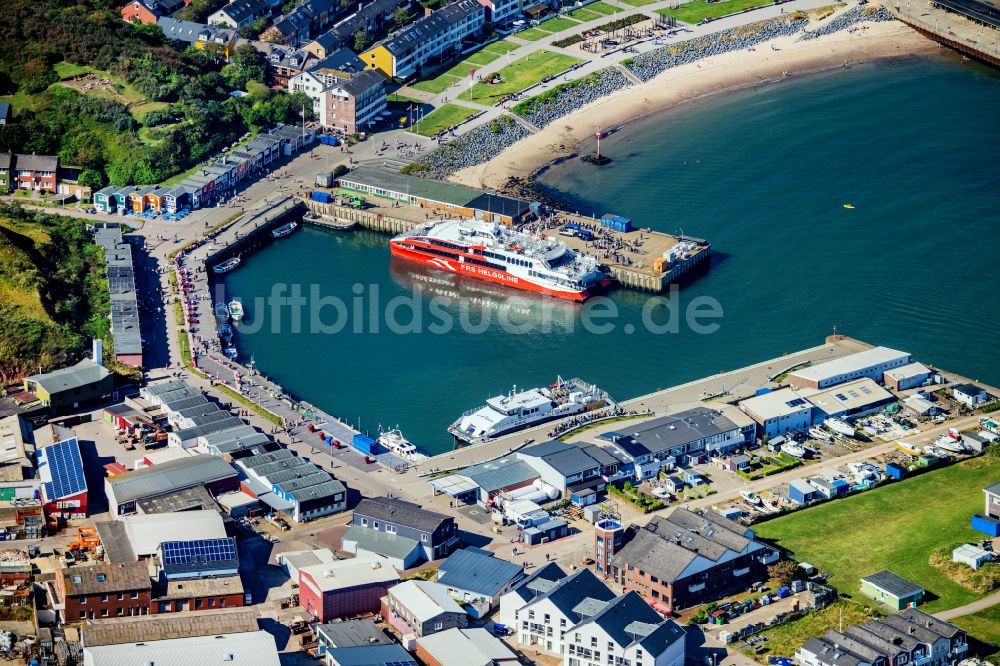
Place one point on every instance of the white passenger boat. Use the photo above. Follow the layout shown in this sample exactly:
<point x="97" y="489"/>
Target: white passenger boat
<point x="394" y="442"/>
<point x="840" y="426"/>
<point x="518" y="410"/>
<point x="236" y="310"/>
<point x="793" y="449"/>
<point x="820" y="434"/>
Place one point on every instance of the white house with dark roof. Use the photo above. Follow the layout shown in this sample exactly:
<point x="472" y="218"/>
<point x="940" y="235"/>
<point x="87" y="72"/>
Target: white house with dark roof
<point x="626" y="630"/>
<point x="543" y="610"/>
<point x="238" y="13"/>
<point x="970" y="395"/>
<point x="909" y="637"/>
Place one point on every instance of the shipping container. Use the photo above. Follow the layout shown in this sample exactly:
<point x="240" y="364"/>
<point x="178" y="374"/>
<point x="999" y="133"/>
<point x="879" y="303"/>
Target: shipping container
<point x="365" y="444"/>
<point x="987" y="525"/>
<point x="322" y="197"/>
<point x="616" y="222"/>
<point x="324" y="179"/>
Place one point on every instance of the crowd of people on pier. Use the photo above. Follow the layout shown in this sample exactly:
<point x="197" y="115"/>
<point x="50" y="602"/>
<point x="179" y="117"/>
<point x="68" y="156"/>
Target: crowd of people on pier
<point x="590" y="417"/>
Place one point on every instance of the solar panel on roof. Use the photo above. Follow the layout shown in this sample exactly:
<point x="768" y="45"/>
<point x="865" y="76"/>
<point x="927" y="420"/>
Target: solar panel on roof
<point x="66" y="469"/>
<point x="202" y="551"/>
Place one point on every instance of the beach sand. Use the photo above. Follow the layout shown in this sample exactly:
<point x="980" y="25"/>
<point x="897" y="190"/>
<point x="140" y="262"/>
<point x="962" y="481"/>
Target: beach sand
<point x="739" y="69"/>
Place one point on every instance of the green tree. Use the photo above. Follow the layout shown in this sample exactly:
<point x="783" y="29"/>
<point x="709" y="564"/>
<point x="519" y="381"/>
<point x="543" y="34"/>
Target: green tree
<point x="783" y="572"/>
<point x="360" y="40"/>
<point x="401" y="17"/>
<point x="91" y="178"/>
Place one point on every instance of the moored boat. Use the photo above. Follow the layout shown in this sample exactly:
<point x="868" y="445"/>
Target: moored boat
<point x="839" y="426"/>
<point x="221" y="312"/>
<point x="496" y="253"/>
<point x="231" y="352"/>
<point x="393" y="441"/>
<point x="284" y="230"/>
<point x="518" y="410"/>
<point x="793" y="449"/>
<point x="236" y="310"/>
<point x="225" y="332"/>
<point x="226" y="266"/>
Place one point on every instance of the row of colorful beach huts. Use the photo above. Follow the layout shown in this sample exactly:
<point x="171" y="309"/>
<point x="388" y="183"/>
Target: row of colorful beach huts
<point x="209" y="184"/>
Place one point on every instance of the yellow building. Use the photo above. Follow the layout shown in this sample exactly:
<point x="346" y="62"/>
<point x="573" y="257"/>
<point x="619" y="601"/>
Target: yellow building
<point x="380" y="58"/>
<point x="426" y="39"/>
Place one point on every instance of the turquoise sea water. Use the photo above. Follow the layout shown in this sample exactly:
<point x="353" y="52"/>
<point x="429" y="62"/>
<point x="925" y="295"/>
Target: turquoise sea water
<point x="763" y="174"/>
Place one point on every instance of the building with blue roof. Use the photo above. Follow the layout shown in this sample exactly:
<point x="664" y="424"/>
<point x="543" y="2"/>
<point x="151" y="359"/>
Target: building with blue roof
<point x="63" y="482"/>
<point x="473" y="574"/>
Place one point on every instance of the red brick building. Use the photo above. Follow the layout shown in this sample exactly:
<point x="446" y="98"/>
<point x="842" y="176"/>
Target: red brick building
<point x="346" y="587"/>
<point x="104" y="590"/>
<point x="686" y="559"/>
<point x="35" y="172"/>
<point x="197" y="594"/>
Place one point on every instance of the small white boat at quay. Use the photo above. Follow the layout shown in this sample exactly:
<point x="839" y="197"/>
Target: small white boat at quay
<point x="394" y="442"/>
<point x="236" y="310"/>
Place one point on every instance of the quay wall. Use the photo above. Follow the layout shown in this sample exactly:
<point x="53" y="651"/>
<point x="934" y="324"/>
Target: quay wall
<point x="251" y="237"/>
<point x="363" y="218"/>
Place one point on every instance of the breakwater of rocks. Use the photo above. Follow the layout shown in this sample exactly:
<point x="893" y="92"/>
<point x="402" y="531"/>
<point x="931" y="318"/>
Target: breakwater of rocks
<point x="848" y="19"/>
<point x="487" y="141"/>
<point x="476" y="146"/>
<point x="568" y="97"/>
<point x="653" y="63"/>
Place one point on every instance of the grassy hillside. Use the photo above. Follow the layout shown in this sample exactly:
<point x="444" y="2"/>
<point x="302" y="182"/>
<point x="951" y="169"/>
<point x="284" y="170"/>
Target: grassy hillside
<point x="895" y="527"/>
<point x="53" y="292"/>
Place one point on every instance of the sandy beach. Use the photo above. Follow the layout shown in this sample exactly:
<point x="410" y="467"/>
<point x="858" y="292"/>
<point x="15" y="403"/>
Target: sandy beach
<point x="730" y="71"/>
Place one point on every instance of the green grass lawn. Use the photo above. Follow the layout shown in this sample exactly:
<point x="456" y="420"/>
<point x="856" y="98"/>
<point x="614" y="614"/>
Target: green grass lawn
<point x="558" y="24"/>
<point x="141" y="110"/>
<point x="784" y="640"/>
<point x="449" y="77"/>
<point x="19" y="100"/>
<point x="402" y="99"/>
<point x="67" y="70"/>
<point x="984" y="626"/>
<point x="895" y="527"/>
<point x="638" y="3"/>
<point x="441" y="118"/>
<point x="533" y="34"/>
<point x="696" y="10"/>
<point x="602" y="8"/>
<point x="519" y="75"/>
<point x="584" y="14"/>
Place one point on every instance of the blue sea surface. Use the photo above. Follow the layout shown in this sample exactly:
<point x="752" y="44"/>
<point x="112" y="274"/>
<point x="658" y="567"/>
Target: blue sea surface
<point x="763" y="174"/>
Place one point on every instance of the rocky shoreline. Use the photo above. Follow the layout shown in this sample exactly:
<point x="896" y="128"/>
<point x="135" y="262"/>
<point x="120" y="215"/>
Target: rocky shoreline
<point x="486" y="142"/>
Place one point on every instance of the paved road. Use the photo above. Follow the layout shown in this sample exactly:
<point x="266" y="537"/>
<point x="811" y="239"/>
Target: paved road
<point x="968" y="609"/>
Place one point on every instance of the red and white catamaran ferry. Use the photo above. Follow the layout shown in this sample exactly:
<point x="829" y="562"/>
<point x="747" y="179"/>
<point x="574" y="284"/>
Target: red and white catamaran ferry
<point x="497" y="253"/>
